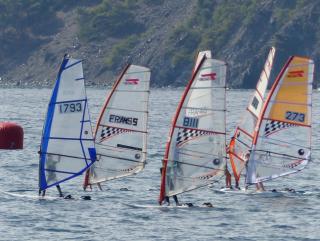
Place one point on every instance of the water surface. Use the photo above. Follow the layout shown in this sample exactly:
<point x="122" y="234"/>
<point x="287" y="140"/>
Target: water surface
<point x="108" y="217"/>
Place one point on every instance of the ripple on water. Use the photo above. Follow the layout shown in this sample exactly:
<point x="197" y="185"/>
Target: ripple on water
<point x="107" y="217"/>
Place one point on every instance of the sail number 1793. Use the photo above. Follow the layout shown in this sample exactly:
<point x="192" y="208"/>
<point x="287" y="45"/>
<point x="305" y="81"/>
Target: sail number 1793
<point x="70" y="107"/>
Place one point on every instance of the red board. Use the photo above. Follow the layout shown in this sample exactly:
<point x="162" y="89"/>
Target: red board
<point x="11" y="136"/>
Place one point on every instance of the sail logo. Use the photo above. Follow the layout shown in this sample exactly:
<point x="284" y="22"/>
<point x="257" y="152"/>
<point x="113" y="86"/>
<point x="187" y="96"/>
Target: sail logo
<point x="109" y="131"/>
<point x="210" y="76"/>
<point x="131" y="82"/>
<point x="123" y="120"/>
<point x="186" y="135"/>
<point x="295" y="74"/>
<point x="273" y="126"/>
<point x="197" y="111"/>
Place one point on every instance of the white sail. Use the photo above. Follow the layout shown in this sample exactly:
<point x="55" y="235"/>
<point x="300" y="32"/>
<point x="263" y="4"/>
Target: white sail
<point x="200" y="55"/>
<point x="282" y="143"/>
<point x="121" y="132"/>
<point x="67" y="147"/>
<point x="240" y="144"/>
<point x="196" y="153"/>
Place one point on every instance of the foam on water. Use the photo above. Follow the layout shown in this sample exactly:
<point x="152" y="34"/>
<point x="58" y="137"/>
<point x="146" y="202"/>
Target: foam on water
<point x="106" y="217"/>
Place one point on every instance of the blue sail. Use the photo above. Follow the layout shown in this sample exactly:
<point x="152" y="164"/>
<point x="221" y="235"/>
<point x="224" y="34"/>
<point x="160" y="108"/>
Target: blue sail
<point x="67" y="146"/>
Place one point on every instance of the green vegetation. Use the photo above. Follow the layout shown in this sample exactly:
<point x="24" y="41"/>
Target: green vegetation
<point x="120" y="50"/>
<point x="32" y="15"/>
<point x="209" y="28"/>
<point x="109" y="19"/>
<point x="115" y="19"/>
<point x="120" y="25"/>
<point x="24" y="23"/>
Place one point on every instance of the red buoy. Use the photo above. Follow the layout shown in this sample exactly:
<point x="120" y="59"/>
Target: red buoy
<point x="11" y="136"/>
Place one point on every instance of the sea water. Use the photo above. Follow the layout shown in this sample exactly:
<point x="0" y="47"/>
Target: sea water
<point x="112" y="214"/>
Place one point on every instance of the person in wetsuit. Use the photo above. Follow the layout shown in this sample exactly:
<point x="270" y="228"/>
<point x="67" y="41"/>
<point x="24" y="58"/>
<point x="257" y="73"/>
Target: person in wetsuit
<point x="228" y="178"/>
<point x="166" y="198"/>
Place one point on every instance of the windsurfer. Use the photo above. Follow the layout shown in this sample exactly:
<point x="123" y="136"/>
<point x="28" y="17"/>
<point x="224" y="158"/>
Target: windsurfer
<point x="228" y="178"/>
<point x="175" y="198"/>
<point x="259" y="186"/>
<point x="166" y="198"/>
<point x="86" y="182"/>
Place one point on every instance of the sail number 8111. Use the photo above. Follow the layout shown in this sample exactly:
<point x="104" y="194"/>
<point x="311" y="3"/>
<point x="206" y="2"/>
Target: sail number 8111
<point x="70" y="107"/>
<point x="295" y="116"/>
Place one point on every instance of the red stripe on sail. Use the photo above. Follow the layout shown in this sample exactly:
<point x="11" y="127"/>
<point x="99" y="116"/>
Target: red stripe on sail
<point x="294" y="74"/>
<point x="210" y="76"/>
<point x="131" y="81"/>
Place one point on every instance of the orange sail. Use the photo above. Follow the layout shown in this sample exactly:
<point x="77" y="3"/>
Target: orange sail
<point x="241" y="142"/>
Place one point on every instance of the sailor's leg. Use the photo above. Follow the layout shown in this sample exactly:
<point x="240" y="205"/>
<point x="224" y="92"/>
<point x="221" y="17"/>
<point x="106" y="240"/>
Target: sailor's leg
<point x="167" y="200"/>
<point x="237" y="184"/>
<point x="43" y="193"/>
<point x="175" y="198"/>
<point x="99" y="186"/>
<point x="59" y="190"/>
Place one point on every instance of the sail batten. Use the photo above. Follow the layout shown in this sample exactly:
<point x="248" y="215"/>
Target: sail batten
<point x="121" y="130"/>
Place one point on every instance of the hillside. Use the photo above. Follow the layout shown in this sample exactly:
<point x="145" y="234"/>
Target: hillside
<point x="163" y="35"/>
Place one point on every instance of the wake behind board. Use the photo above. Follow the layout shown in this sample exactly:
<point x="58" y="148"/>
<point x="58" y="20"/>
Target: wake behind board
<point x="37" y="197"/>
<point x="162" y="207"/>
<point x="228" y="190"/>
<point x="29" y="196"/>
<point x="267" y="193"/>
<point x="241" y="191"/>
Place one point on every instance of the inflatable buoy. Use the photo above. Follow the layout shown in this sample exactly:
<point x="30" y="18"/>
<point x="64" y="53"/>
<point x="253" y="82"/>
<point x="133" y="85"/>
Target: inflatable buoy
<point x="11" y="136"/>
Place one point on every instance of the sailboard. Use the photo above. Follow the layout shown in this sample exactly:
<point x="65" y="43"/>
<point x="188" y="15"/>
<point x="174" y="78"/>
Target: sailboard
<point x="29" y="196"/>
<point x="155" y="206"/>
<point x="241" y="142"/>
<point x="195" y="154"/>
<point x="67" y="146"/>
<point x="282" y="140"/>
<point x="121" y="131"/>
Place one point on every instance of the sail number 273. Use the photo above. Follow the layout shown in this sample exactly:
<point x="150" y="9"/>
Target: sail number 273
<point x="295" y="116"/>
<point x="70" y="107"/>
